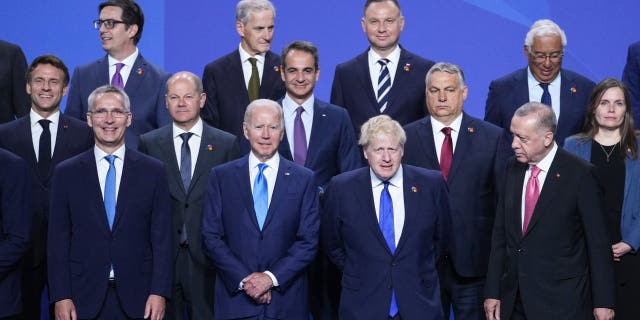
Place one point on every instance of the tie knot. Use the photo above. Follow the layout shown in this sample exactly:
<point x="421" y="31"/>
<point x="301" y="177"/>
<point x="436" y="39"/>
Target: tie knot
<point x="119" y="66"/>
<point x="386" y="184"/>
<point x="299" y="110"/>
<point x="253" y="61"/>
<point x="446" y="131"/>
<point x="544" y="86"/>
<point x="535" y="171"/>
<point x="44" y="123"/>
<point x="383" y="62"/>
<point x="262" y="166"/>
<point x="185" y="136"/>
<point x="111" y="158"/>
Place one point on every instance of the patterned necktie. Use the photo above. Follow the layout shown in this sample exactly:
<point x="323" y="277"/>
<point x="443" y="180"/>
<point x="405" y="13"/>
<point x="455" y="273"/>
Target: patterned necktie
<point x="254" y="81"/>
<point x="117" y="81"/>
<point x="185" y="160"/>
<point x="446" y="152"/>
<point x="110" y="190"/>
<point x="261" y="195"/>
<point x="386" y="226"/>
<point x="299" y="138"/>
<point x="384" y="85"/>
<point x="546" y="96"/>
<point x="531" y="197"/>
<point x="44" y="149"/>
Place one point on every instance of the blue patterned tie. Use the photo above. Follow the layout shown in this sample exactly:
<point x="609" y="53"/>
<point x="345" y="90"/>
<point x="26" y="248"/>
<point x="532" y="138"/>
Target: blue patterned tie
<point x="386" y="226"/>
<point x="185" y="160"/>
<point x="546" y="96"/>
<point x="110" y="190"/>
<point x="260" y="195"/>
<point x="384" y="85"/>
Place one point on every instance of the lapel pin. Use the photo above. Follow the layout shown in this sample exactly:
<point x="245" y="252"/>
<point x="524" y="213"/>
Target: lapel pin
<point x="471" y="130"/>
<point x="65" y="126"/>
<point x="139" y="70"/>
<point x="276" y="68"/>
<point x="414" y="189"/>
<point x="557" y="176"/>
<point x="210" y="147"/>
<point x="407" y="67"/>
<point x="287" y="173"/>
<point x="324" y="115"/>
<point x="573" y="89"/>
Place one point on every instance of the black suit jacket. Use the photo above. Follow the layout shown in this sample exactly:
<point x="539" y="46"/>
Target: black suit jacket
<point x="227" y="96"/>
<point x="14" y="101"/>
<point x="73" y="137"/>
<point x="563" y="265"/>
<point x="353" y="90"/>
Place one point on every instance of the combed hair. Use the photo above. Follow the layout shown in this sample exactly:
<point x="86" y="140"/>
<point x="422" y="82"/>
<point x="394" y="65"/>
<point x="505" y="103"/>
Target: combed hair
<point x="544" y="27"/>
<point x="263" y="103"/>
<point x="378" y="125"/>
<point x="52" y="60"/>
<point x="186" y="75"/>
<point x="109" y="89"/>
<point x="448" y="68"/>
<point x="131" y="14"/>
<point x="369" y="2"/>
<point x="245" y="7"/>
<point x="304" y="46"/>
<point x="546" y="117"/>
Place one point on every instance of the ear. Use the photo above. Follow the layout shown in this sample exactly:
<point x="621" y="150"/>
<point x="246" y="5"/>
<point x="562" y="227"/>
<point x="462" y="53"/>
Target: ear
<point x="28" y="88"/>
<point x="317" y="74"/>
<point x="240" y="28"/>
<point x="363" y="22"/>
<point x="282" y="73"/>
<point x="526" y="51"/>
<point x="465" y="92"/>
<point x="203" y="99"/>
<point x="245" y="130"/>
<point x="133" y="30"/>
<point x="548" y="139"/>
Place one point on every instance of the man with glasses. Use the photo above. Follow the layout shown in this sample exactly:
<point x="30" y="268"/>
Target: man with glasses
<point x="120" y="27"/>
<point x="544" y="80"/>
<point x="110" y="224"/>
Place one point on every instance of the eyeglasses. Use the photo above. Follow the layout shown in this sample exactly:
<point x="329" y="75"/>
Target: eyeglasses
<point x="102" y="113"/>
<point x="555" y="57"/>
<point x="108" y="24"/>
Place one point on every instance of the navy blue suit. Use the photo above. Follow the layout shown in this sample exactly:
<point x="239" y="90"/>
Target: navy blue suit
<point x="81" y="245"/>
<point x="15" y="229"/>
<point x="14" y="101"/>
<point x="352" y="89"/>
<point x="285" y="246"/>
<point x="227" y="96"/>
<point x="145" y="87"/>
<point x="631" y="77"/>
<point x="508" y="93"/>
<point x="352" y="238"/>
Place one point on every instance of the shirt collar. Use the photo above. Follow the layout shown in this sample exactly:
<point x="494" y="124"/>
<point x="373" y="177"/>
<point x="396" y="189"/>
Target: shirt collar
<point x="244" y="55"/>
<point x="533" y="82"/>
<point x="196" y="129"/>
<point x="128" y="61"/>
<point x="393" y="57"/>
<point x="273" y="162"/>
<point x="100" y="154"/>
<point x="396" y="180"/>
<point x="545" y="163"/>
<point x="289" y="106"/>
<point x="455" y="125"/>
<point x="34" y="117"/>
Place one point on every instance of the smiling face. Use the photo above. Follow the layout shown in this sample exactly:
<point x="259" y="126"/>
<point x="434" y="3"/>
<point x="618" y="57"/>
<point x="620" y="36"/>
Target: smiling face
<point x="109" y="119"/>
<point x="299" y="75"/>
<point x="46" y="89"/>
<point x="184" y="102"/>
<point x="257" y="34"/>
<point x="445" y="96"/>
<point x="264" y="130"/>
<point x="545" y="70"/>
<point x="383" y="23"/>
<point x="117" y="42"/>
<point x="384" y="154"/>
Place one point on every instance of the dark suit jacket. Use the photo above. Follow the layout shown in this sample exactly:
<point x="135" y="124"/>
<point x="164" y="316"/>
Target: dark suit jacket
<point x="81" y="245"/>
<point x="631" y="77"/>
<point x="477" y="162"/>
<point x="508" y="93"/>
<point x="285" y="246"/>
<point x="562" y="266"/>
<point x="73" y="137"/>
<point x="352" y="89"/>
<point x="145" y="87"/>
<point x="227" y="96"/>
<point x="14" y="101"/>
<point x="352" y="238"/>
<point x="216" y="147"/>
<point x="15" y="229"/>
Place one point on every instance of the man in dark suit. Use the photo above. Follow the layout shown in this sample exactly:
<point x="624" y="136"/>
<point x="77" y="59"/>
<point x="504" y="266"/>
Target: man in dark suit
<point x="544" y="80"/>
<point x="470" y="153"/>
<point x="189" y="149"/>
<point x="109" y="249"/>
<point x="120" y="27"/>
<point x="631" y="77"/>
<point x="251" y="72"/>
<point x="43" y="139"/>
<point x="386" y="79"/>
<point x="550" y="253"/>
<point x="15" y="230"/>
<point x="260" y="225"/>
<point x="385" y="226"/>
<point x="14" y="101"/>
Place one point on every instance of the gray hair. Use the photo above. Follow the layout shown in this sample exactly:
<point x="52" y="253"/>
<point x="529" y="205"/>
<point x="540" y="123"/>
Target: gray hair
<point x="109" y="89"/>
<point x="263" y="103"/>
<point x="544" y="27"/>
<point x="186" y="75"/>
<point x="448" y="68"/>
<point x="378" y="125"/>
<point x="245" y="7"/>
<point x="546" y="118"/>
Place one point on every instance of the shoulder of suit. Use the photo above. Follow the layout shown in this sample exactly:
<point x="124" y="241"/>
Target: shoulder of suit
<point x="149" y="162"/>
<point x="576" y="77"/>
<point x="223" y="60"/>
<point x="353" y="61"/>
<point x="350" y="176"/>
<point x="74" y="123"/>
<point x="414" y="171"/>
<point x="8" y="158"/>
<point x="417" y="59"/>
<point x="218" y="134"/>
<point x="479" y="126"/>
<point x="517" y="75"/>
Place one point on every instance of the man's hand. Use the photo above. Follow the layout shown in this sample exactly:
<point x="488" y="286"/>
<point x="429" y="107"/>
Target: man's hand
<point x="265" y="298"/>
<point x="256" y="285"/>
<point x="154" y="309"/>
<point x="65" y="310"/>
<point x="492" y="309"/>
<point x="620" y="249"/>
<point x="603" y="313"/>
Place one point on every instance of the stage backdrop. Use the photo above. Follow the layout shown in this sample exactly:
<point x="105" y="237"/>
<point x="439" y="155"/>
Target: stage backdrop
<point x="484" y="37"/>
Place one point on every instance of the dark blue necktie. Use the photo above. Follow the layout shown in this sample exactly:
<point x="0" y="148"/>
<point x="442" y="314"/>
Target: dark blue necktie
<point x="260" y="195"/>
<point x="546" y="96"/>
<point x="110" y="190"/>
<point x="386" y="225"/>
<point x="44" y="149"/>
<point x="185" y="160"/>
<point x="384" y="85"/>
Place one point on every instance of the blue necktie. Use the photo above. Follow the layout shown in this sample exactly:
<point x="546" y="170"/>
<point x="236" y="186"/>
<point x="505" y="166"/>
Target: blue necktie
<point x="110" y="190"/>
<point x="384" y="85"/>
<point x="185" y="160"/>
<point x="386" y="226"/>
<point x="261" y="195"/>
<point x="546" y="96"/>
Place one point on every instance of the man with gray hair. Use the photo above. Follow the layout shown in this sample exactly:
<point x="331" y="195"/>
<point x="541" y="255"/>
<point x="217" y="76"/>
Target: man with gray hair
<point x="246" y="74"/>
<point x="550" y="255"/>
<point x="544" y="80"/>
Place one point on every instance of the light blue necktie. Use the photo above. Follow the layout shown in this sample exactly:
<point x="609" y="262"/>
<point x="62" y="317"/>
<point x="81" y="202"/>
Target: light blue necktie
<point x="110" y="190"/>
<point x="386" y="226"/>
<point x="261" y="195"/>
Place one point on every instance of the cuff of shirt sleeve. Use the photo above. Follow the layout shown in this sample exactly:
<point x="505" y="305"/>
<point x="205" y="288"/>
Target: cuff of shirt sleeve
<point x="273" y="278"/>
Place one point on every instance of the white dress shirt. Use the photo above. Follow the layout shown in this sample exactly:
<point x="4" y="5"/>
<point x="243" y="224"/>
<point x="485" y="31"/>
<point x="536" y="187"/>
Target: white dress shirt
<point x="544" y="166"/>
<point x="126" y="69"/>
<point x="36" y="130"/>
<point x="194" y="143"/>
<point x="246" y="65"/>
<point x="289" y="108"/>
<point x="438" y="135"/>
<point x="535" y="91"/>
<point x="374" y="67"/>
<point x="397" y="198"/>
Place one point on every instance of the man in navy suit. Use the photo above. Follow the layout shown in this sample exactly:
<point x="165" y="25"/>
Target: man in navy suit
<point x="385" y="226"/>
<point x="631" y="77"/>
<point x="260" y="225"/>
<point x="386" y="79"/>
<point x="544" y="80"/>
<point x="109" y="253"/>
<point x="120" y="28"/>
<point x="14" y="101"/>
<point x="469" y="152"/>
<point x="189" y="149"/>
<point x="251" y="72"/>
<point x="43" y="139"/>
<point x="15" y="230"/>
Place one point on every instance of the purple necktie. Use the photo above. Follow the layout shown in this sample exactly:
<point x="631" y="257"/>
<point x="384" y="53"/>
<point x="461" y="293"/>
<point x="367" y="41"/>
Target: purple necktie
<point x="299" y="139"/>
<point x="116" y="81"/>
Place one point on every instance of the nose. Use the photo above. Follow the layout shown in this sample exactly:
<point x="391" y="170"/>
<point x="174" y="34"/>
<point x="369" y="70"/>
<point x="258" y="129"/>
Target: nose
<point x="514" y="143"/>
<point x="442" y="96"/>
<point x="386" y="156"/>
<point x="547" y="61"/>
<point x="266" y="133"/>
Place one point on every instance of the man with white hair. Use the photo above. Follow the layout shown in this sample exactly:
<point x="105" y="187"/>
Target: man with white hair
<point x="544" y="80"/>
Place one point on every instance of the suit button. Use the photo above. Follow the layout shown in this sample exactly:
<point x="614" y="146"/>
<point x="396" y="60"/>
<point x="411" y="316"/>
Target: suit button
<point x="179" y="231"/>
<point x="393" y="264"/>
<point x="186" y="205"/>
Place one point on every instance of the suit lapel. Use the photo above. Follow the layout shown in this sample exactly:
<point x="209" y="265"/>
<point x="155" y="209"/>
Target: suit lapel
<point x="128" y="184"/>
<point x="401" y="78"/>
<point x="319" y="131"/>
<point x="550" y="189"/>
<point x="364" y="197"/>
<point x="101" y="72"/>
<point x="270" y="75"/>
<point x="136" y="76"/>
<point x="283" y="180"/>
<point x="165" y="143"/>
<point x="425" y="135"/>
<point x="244" y="187"/>
<point x="363" y="75"/>
<point x="206" y="159"/>
<point x="25" y="141"/>
<point x="463" y="145"/>
<point x="411" y="202"/>
<point x="514" y="198"/>
<point x="94" y="193"/>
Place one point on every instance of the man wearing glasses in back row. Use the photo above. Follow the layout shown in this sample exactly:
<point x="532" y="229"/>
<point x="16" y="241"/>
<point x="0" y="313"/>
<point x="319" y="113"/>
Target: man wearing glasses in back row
<point x="544" y="80"/>
<point x="120" y="27"/>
